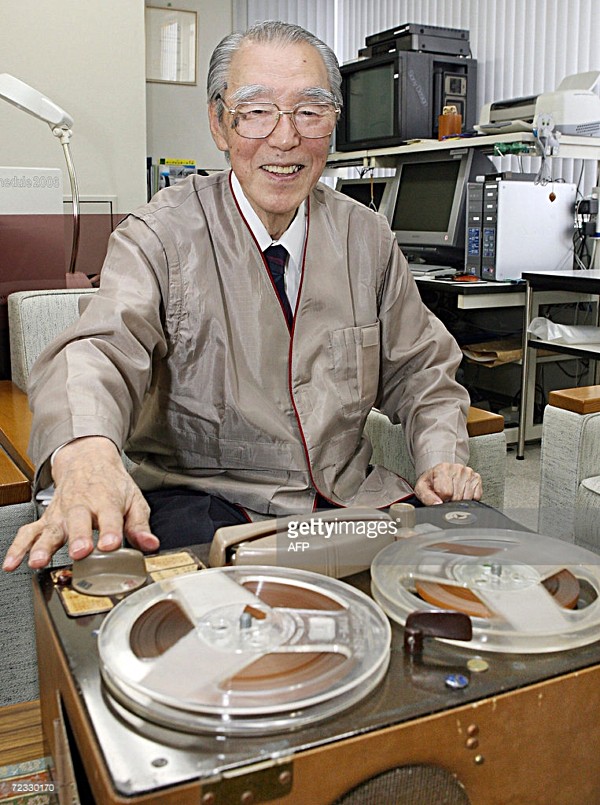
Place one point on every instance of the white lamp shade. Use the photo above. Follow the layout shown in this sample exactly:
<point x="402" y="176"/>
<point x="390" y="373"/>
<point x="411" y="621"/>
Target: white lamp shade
<point x="30" y="100"/>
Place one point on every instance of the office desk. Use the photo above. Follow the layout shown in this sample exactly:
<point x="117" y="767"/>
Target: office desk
<point x="572" y="286"/>
<point x="477" y="295"/>
<point x="471" y="296"/>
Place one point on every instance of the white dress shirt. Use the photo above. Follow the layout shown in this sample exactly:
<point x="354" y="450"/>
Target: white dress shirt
<point x="293" y="239"/>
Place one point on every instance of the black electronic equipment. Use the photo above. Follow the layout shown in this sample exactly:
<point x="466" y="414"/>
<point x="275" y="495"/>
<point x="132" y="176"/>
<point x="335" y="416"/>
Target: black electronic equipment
<point x="474" y="232"/>
<point x="423" y="38"/>
<point x="399" y="96"/>
<point x="426" y="206"/>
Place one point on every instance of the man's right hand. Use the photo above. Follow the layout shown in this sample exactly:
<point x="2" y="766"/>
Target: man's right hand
<point x="92" y="490"/>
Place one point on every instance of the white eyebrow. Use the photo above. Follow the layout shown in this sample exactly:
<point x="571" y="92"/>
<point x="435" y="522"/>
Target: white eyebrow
<point x="248" y="93"/>
<point x="319" y="94"/>
<point x="253" y="91"/>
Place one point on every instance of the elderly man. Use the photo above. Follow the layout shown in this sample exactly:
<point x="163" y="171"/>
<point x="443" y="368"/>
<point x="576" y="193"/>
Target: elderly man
<point x="245" y="325"/>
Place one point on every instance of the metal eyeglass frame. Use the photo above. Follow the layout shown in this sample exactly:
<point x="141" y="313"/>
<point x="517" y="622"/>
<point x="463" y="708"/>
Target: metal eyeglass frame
<point x="233" y="112"/>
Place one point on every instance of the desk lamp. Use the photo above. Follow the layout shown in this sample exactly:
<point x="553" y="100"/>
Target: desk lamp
<point x="30" y="100"/>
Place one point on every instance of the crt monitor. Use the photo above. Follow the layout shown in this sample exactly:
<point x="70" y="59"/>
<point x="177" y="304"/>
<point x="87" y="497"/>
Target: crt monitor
<point x="398" y="96"/>
<point x="370" y="114"/>
<point x="372" y="191"/>
<point x="426" y="209"/>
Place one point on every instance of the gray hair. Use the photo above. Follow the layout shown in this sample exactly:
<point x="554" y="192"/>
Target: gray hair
<point x="268" y="31"/>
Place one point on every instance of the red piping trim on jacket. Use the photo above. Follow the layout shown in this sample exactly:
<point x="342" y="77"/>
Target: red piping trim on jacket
<point x="304" y="445"/>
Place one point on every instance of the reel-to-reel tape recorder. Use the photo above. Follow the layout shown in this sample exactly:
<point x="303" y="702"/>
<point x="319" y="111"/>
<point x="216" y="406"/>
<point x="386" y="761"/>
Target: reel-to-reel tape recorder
<point x="254" y="684"/>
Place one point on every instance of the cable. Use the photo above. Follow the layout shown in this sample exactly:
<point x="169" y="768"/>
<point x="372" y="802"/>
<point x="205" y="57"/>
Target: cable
<point x="579" y="373"/>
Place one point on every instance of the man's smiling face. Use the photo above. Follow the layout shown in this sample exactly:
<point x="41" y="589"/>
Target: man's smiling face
<point x="276" y="173"/>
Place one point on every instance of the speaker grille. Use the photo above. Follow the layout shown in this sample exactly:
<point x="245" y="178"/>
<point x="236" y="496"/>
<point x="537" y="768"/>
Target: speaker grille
<point x="408" y="785"/>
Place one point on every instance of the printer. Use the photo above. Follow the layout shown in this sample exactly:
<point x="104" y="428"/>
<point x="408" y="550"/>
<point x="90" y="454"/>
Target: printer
<point x="573" y="108"/>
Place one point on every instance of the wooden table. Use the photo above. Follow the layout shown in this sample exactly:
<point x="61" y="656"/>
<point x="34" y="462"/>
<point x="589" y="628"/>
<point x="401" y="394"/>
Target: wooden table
<point x="15" y="425"/>
<point x="14" y="486"/>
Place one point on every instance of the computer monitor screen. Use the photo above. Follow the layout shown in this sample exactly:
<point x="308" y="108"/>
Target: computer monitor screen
<point x="370" y="103"/>
<point x="426" y="208"/>
<point x="425" y="197"/>
<point x="369" y="191"/>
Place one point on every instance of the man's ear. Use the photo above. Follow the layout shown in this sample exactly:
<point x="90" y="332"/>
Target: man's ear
<point x="216" y="128"/>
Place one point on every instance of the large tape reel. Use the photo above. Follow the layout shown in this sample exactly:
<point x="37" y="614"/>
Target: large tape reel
<point x="524" y="592"/>
<point x="243" y="650"/>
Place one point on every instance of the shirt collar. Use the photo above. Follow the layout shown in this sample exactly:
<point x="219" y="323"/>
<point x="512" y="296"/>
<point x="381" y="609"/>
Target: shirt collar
<point x="292" y="238"/>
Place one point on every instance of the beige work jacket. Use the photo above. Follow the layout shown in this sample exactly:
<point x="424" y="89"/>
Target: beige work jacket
<point x="184" y="357"/>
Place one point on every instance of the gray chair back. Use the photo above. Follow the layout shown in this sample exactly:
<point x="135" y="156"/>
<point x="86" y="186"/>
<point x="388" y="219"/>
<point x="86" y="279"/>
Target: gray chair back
<point x="35" y="318"/>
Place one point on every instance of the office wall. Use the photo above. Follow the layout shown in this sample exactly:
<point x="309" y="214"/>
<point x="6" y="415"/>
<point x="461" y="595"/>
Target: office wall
<point x="176" y="114"/>
<point x="88" y="57"/>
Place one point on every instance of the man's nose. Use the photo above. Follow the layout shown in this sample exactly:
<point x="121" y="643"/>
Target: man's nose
<point x="284" y="135"/>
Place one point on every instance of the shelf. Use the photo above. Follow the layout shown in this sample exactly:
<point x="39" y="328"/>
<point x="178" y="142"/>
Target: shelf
<point x="570" y="147"/>
<point x="574" y="350"/>
<point x="548" y="359"/>
<point x="565" y="285"/>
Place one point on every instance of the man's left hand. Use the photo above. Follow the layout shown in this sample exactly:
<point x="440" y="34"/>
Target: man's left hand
<point x="448" y="482"/>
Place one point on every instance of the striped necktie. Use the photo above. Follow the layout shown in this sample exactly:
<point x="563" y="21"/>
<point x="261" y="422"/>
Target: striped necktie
<point x="276" y="257"/>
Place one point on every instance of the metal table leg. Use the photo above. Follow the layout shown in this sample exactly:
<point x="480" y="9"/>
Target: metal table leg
<point x="525" y="369"/>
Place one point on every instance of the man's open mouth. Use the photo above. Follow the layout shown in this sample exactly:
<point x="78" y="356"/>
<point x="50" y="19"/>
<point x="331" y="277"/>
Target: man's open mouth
<point x="282" y="169"/>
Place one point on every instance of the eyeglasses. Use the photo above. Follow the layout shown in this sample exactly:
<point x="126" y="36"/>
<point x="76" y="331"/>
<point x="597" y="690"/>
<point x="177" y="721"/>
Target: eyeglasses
<point x="255" y="121"/>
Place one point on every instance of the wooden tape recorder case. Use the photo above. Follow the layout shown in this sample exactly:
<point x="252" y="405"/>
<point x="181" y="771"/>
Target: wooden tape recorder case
<point x="464" y="669"/>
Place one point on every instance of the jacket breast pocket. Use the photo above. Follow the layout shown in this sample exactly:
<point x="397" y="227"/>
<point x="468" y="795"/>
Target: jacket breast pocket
<point x="355" y="352"/>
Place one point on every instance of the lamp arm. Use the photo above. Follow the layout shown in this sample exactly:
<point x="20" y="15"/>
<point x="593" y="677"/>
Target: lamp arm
<point x="64" y="135"/>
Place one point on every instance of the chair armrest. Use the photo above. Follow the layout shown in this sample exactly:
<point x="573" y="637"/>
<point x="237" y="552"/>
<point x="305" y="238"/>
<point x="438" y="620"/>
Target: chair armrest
<point x="582" y="400"/>
<point x="480" y="422"/>
<point x="18" y="661"/>
<point x="487" y="445"/>
<point x="15" y="426"/>
<point x="14" y="486"/>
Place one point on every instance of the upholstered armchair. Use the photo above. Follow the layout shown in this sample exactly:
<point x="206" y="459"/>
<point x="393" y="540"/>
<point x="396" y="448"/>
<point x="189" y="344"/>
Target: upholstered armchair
<point x="487" y="447"/>
<point x="35" y="318"/>
<point x="569" y="504"/>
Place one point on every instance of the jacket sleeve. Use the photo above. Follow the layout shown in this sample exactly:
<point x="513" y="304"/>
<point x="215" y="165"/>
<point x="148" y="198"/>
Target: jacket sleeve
<point x="419" y="359"/>
<point x="91" y="381"/>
